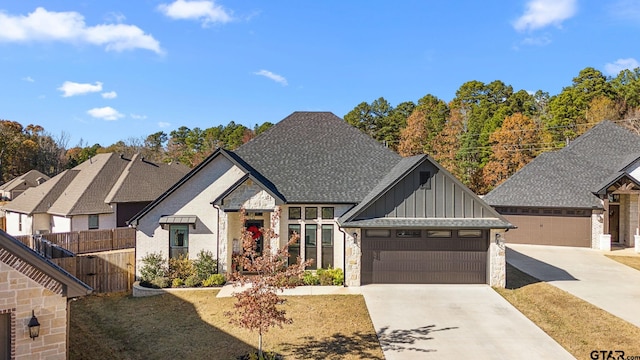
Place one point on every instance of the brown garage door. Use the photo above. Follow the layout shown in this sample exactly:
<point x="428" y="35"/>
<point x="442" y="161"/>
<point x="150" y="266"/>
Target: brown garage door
<point x="426" y="258"/>
<point x="550" y="230"/>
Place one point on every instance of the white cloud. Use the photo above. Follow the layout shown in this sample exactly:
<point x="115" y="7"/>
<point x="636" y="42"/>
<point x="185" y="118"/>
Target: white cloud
<point x="163" y="124"/>
<point x="537" y="41"/>
<point x="625" y="9"/>
<point x="109" y="95"/>
<point x="106" y="113"/>
<point x="46" y="26"/>
<point x="205" y="11"/>
<point x="28" y="79"/>
<point x="275" y="77"/>
<point x="138" y="117"/>
<point x="542" y="13"/>
<point x="70" y="88"/>
<point x="115" y="17"/>
<point x="615" y="67"/>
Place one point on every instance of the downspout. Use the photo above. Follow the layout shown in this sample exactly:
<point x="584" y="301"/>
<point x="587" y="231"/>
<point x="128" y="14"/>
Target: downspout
<point x="217" y="239"/>
<point x="344" y="255"/>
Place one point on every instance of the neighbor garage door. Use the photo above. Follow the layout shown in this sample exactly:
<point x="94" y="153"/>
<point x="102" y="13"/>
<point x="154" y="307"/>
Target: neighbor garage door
<point x="550" y="230"/>
<point x="396" y="256"/>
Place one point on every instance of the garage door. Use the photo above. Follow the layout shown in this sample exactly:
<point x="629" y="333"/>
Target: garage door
<point x="396" y="256"/>
<point x="550" y="230"/>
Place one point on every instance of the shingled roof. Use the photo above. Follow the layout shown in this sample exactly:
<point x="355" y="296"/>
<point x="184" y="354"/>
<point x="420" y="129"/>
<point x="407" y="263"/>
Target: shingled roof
<point x="29" y="179"/>
<point x="333" y="163"/>
<point x="568" y="177"/>
<point x="90" y="187"/>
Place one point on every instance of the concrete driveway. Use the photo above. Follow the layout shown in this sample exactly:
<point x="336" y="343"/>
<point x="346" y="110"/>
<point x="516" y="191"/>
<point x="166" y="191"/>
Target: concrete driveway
<point x="585" y="273"/>
<point x="453" y="322"/>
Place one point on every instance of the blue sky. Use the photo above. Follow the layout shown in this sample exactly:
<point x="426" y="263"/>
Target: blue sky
<point x="104" y="71"/>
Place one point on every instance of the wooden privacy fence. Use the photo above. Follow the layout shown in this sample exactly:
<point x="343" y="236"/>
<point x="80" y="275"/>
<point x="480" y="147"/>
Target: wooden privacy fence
<point x="3" y="223"/>
<point x="89" y="241"/>
<point x="110" y="271"/>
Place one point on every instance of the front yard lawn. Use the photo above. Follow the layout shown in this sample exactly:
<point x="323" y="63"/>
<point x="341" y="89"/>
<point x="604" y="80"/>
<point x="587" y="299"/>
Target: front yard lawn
<point x="631" y="261"/>
<point x="192" y="325"/>
<point x="575" y="324"/>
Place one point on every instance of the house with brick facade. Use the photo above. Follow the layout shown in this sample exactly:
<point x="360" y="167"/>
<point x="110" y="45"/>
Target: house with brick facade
<point x="31" y="286"/>
<point x="356" y="205"/>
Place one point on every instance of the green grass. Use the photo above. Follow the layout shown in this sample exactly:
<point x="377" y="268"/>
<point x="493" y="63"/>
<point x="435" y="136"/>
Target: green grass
<point x="575" y="324"/>
<point x="192" y="325"/>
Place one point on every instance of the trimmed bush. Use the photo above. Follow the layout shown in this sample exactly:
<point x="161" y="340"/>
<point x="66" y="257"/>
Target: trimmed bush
<point x="205" y="265"/>
<point x="154" y="266"/>
<point x="192" y="281"/>
<point x="214" y="280"/>
<point x="180" y="268"/>
<point x="309" y="278"/>
<point x="160" y="282"/>
<point x="177" y="282"/>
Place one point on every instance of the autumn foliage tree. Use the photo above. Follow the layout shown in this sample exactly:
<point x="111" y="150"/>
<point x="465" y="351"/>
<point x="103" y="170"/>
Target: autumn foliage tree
<point x="257" y="307"/>
<point x="514" y="145"/>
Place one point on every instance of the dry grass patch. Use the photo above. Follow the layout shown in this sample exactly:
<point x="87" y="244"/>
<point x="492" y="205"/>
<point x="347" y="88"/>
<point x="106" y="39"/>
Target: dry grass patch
<point x="631" y="261"/>
<point x="192" y="325"/>
<point x="575" y="324"/>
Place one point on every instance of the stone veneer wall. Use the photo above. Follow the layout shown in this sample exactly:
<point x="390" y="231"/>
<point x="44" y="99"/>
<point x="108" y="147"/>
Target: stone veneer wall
<point x="353" y="255"/>
<point x="23" y="288"/>
<point x="497" y="276"/>
<point x="597" y="228"/>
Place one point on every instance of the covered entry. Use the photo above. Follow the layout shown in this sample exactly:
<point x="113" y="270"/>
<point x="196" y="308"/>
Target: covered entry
<point x="424" y="256"/>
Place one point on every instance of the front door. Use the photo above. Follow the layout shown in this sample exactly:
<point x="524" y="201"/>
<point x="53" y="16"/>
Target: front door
<point x="614" y="223"/>
<point x="254" y="227"/>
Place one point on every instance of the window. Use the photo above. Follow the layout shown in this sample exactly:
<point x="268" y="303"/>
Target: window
<point x="294" y="249"/>
<point x="310" y="213"/>
<point x="327" y="246"/>
<point x="178" y="240"/>
<point x="310" y="244"/>
<point x="5" y="336"/>
<point x="295" y="213"/>
<point x="378" y="233"/>
<point x="19" y="222"/>
<point x="327" y="213"/>
<point x="439" y="233"/>
<point x="470" y="233"/>
<point x="425" y="179"/>
<point x="408" y="233"/>
<point x="94" y="222"/>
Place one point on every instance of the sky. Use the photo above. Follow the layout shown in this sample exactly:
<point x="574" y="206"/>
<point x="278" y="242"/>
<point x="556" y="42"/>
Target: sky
<point x="104" y="71"/>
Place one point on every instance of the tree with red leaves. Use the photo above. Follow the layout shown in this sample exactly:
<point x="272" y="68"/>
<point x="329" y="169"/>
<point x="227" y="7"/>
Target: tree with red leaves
<point x="264" y="274"/>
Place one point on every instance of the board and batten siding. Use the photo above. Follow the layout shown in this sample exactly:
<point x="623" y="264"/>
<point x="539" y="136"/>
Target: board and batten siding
<point x="444" y="198"/>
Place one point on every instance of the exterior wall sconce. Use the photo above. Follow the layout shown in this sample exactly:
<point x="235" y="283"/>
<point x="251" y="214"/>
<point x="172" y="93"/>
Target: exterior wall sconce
<point x="355" y="236"/>
<point x="34" y="326"/>
<point x="500" y="240"/>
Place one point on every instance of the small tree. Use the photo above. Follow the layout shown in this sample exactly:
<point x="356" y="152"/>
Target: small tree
<point x="256" y="308"/>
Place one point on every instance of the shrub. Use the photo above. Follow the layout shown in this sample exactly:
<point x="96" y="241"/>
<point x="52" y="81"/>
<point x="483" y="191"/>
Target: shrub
<point x="214" y="280"/>
<point x="205" y="265"/>
<point x="154" y="266"/>
<point x="338" y="276"/>
<point x="328" y="276"/>
<point x="160" y="282"/>
<point x="310" y="278"/>
<point x="325" y="277"/>
<point x="177" y="282"/>
<point x="192" y="281"/>
<point x="180" y="268"/>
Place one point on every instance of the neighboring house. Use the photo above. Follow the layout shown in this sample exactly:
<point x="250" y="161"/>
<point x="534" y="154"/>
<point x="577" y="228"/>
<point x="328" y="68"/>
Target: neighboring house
<point x="585" y="194"/>
<point x="357" y="206"/>
<point x="101" y="193"/>
<point x="16" y="186"/>
<point x="30" y="284"/>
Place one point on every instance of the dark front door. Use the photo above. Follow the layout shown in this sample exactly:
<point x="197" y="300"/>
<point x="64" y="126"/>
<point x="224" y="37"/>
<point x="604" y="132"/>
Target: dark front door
<point x="254" y="227"/>
<point x="614" y="222"/>
<point x="5" y="336"/>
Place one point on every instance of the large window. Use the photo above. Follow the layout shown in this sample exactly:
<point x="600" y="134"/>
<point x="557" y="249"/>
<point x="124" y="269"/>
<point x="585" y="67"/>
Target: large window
<point x="295" y="213"/>
<point x="310" y="213"/>
<point x="94" y="222"/>
<point x="294" y="249"/>
<point x="310" y="244"/>
<point x="327" y="246"/>
<point x="178" y="240"/>
<point x="327" y="213"/>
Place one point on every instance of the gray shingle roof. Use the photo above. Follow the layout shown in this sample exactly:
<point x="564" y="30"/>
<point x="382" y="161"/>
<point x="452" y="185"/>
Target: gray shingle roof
<point x="318" y="157"/>
<point x="30" y="178"/>
<point x="567" y="177"/>
<point x="39" y="199"/>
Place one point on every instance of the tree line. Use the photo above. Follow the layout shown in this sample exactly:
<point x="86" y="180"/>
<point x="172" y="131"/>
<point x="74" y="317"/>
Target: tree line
<point x="489" y="131"/>
<point x="482" y="136"/>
